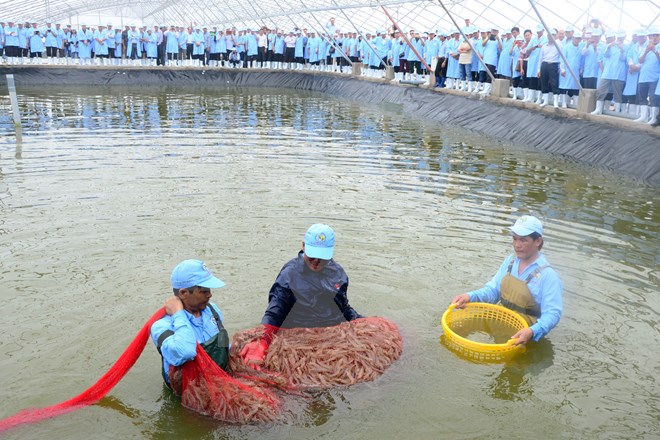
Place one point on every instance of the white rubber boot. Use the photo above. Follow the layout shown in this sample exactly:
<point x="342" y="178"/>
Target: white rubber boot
<point x="654" y="115"/>
<point x="564" y="99"/>
<point x="545" y="101"/>
<point x="486" y="91"/>
<point x="450" y="83"/>
<point x="526" y="95"/>
<point x="643" y="114"/>
<point x="539" y="97"/>
<point x="617" y="107"/>
<point x="599" y="108"/>
<point x="555" y="101"/>
<point x="632" y="109"/>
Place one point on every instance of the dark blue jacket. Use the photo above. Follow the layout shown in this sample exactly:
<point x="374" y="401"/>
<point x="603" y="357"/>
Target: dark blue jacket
<point x="301" y="297"/>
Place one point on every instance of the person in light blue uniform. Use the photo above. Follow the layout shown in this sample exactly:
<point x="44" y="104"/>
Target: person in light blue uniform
<point x="534" y="63"/>
<point x="191" y="319"/>
<point x="24" y="34"/>
<point x="382" y="46"/>
<point x="299" y="52"/>
<point x="85" y="43"/>
<point x="251" y="48"/>
<point x="101" y="44"/>
<point x="73" y="46"/>
<point x="591" y="54"/>
<point x="478" y="49"/>
<point x="50" y="34"/>
<point x="568" y="86"/>
<point x="649" y="73"/>
<point x="134" y="45"/>
<point x="504" y="66"/>
<point x="278" y="49"/>
<point x="414" y="61"/>
<point x="112" y="43"/>
<point x="516" y="77"/>
<point x="313" y="46"/>
<point x="431" y="51"/>
<point x="11" y="43"/>
<point x="492" y="45"/>
<point x="198" y="47"/>
<point x="36" y="47"/>
<point x="119" y="46"/>
<point x="525" y="283"/>
<point x="172" y="46"/>
<point x="152" y="47"/>
<point x="365" y="50"/>
<point x="613" y="76"/>
<point x="632" y="75"/>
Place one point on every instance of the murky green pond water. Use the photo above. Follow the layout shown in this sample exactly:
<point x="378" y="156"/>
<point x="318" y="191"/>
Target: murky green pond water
<point x="109" y="189"/>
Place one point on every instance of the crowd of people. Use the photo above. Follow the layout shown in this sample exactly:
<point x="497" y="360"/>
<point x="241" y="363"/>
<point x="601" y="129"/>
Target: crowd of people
<point x="542" y="69"/>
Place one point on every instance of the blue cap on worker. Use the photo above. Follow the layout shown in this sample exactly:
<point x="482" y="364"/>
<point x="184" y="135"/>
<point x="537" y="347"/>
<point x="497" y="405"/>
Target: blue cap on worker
<point x="190" y="273"/>
<point x="320" y="241"/>
<point x="527" y="225"/>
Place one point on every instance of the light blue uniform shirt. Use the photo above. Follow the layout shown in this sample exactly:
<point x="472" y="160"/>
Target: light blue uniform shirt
<point x="491" y="52"/>
<point x="417" y="44"/>
<point x="24" y="35"/>
<point x="650" y="69"/>
<point x="546" y="289"/>
<point x="591" y="68"/>
<point x="504" y="64"/>
<point x="36" y="43"/>
<point x="181" y="347"/>
<point x="11" y="36"/>
<point x="614" y="63"/>
<point x="51" y="37"/>
<point x="573" y="55"/>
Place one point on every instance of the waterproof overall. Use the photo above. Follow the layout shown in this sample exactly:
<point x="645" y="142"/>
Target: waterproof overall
<point x="515" y="295"/>
<point x="217" y="347"/>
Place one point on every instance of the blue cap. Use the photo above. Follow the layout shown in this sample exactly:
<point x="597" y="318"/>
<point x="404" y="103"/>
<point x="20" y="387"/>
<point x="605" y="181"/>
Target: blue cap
<point x="320" y="242"/>
<point x="527" y="225"/>
<point x="191" y="273"/>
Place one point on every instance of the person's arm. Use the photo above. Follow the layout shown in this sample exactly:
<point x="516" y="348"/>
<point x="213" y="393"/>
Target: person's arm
<point x="280" y="302"/>
<point x="174" y="334"/>
<point x="341" y="299"/>
<point x="550" y="305"/>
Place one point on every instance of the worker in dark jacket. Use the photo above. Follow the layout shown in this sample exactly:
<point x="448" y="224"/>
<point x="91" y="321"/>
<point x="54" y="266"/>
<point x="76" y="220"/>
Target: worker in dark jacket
<point x="310" y="291"/>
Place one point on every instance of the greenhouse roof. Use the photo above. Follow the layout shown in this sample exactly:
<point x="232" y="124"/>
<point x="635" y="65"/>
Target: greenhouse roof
<point x="363" y="15"/>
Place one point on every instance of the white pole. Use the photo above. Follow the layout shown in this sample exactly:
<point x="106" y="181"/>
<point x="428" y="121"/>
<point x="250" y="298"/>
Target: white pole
<point x="14" y="101"/>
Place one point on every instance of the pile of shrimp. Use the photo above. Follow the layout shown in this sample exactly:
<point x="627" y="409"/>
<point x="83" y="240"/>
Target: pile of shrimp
<point x="325" y="357"/>
<point x="297" y="359"/>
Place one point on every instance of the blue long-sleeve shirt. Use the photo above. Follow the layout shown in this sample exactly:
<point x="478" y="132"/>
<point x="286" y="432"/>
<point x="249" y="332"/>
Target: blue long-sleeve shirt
<point x="301" y="297"/>
<point x="181" y="347"/>
<point x="546" y="289"/>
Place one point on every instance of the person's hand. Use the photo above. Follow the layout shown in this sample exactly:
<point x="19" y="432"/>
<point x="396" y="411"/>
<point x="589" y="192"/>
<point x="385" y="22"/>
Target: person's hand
<point x="173" y="304"/>
<point x="523" y="336"/>
<point x="254" y="353"/>
<point x="461" y="300"/>
<point x="563" y="73"/>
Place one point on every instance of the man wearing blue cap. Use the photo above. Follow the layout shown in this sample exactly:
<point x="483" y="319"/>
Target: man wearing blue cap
<point x="525" y="283"/>
<point x="191" y="319"/>
<point x="310" y="291"/>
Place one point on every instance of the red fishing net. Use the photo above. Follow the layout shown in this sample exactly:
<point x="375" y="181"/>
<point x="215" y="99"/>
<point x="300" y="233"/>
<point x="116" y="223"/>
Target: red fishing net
<point x="94" y="393"/>
<point x="323" y="357"/>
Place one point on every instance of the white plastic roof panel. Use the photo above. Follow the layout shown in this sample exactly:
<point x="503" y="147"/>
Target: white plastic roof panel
<point x="366" y="15"/>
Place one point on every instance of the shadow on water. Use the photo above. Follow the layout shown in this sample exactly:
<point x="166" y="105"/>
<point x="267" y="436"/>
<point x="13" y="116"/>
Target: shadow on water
<point x="513" y="382"/>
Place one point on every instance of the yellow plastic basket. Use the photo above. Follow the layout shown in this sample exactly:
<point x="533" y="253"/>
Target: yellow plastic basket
<point x="490" y="319"/>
